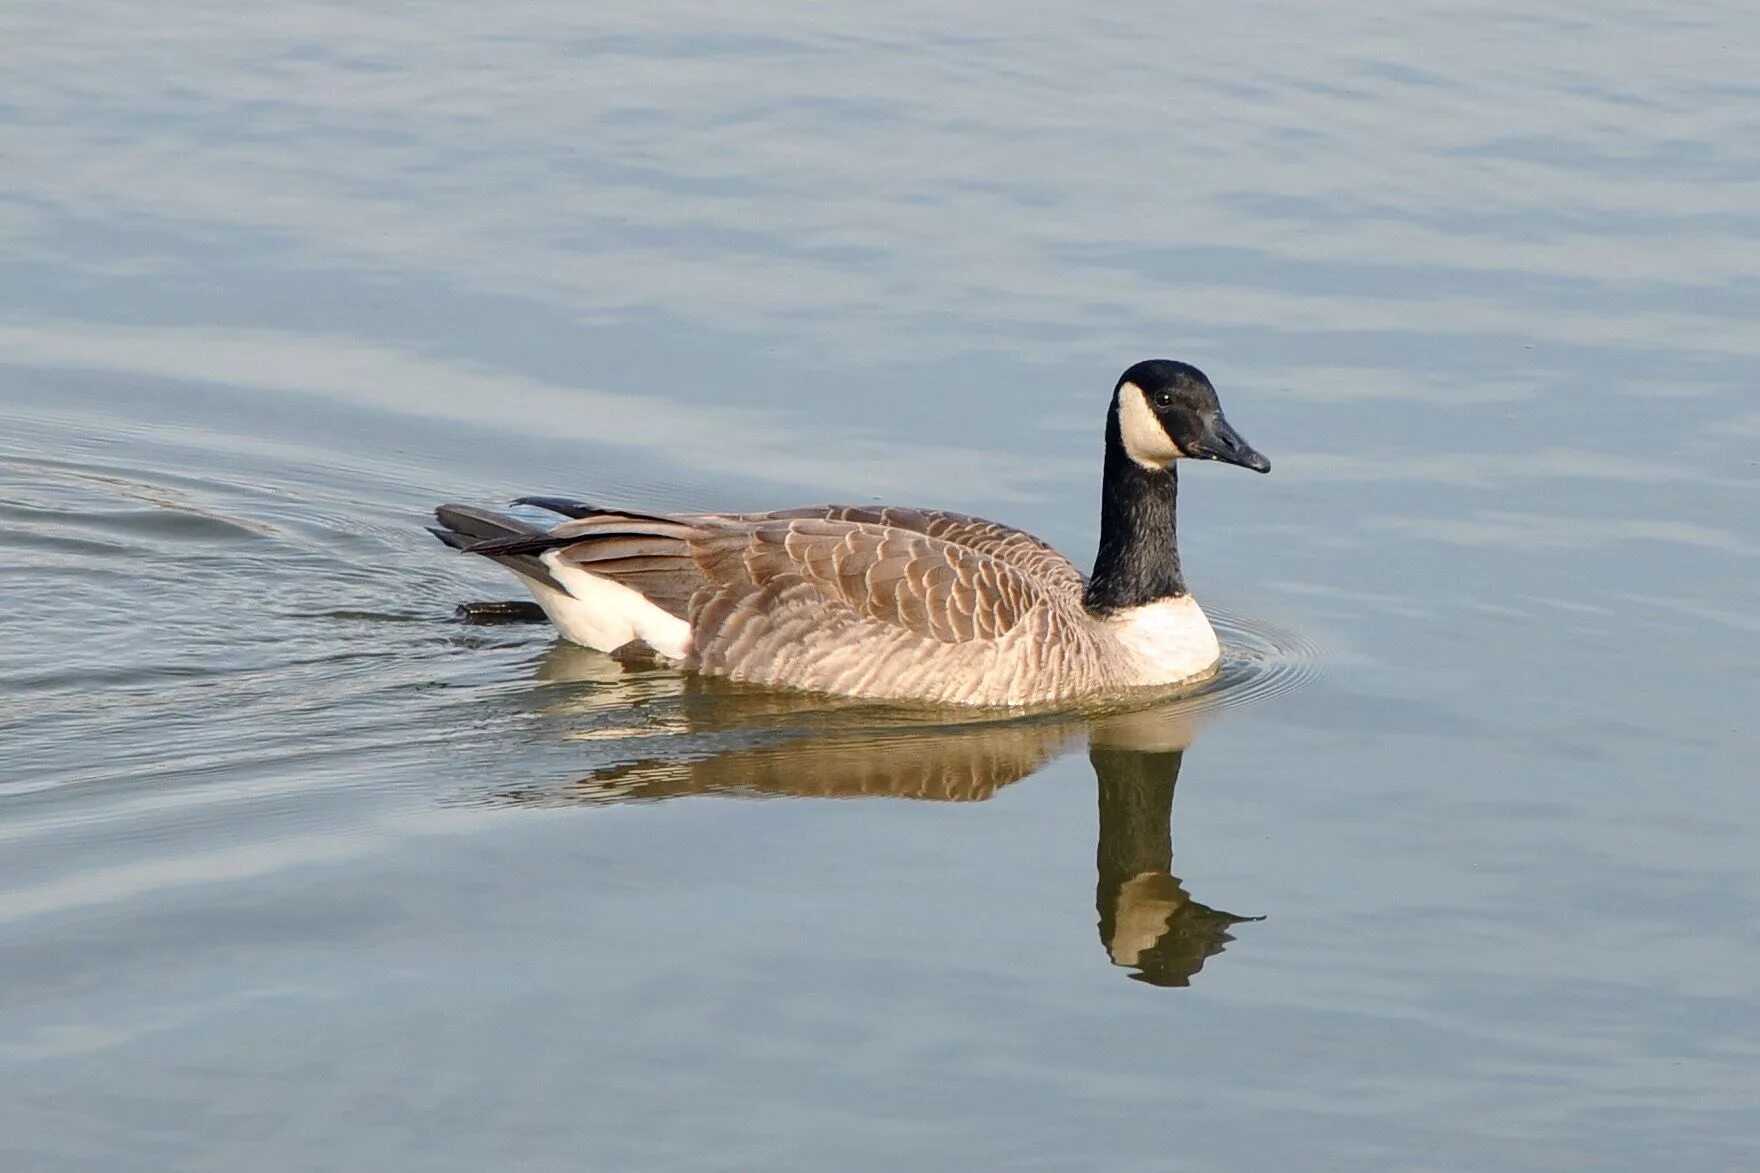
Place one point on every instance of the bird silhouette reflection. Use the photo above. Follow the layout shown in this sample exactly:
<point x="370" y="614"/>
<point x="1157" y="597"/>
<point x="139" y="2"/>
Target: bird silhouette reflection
<point x="674" y="736"/>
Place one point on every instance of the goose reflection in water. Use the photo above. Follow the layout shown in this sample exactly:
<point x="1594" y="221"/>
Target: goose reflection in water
<point x="707" y="736"/>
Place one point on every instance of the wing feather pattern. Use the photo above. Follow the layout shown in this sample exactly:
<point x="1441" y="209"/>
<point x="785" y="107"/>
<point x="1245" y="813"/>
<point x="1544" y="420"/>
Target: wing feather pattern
<point x="1043" y="564"/>
<point x="870" y="609"/>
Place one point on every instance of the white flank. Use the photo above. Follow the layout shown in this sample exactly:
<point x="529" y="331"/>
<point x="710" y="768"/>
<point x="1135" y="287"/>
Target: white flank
<point x="1170" y="640"/>
<point x="606" y="615"/>
<point x="1145" y="440"/>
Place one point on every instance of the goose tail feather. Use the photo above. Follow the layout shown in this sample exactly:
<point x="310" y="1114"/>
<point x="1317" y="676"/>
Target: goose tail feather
<point x="467" y="528"/>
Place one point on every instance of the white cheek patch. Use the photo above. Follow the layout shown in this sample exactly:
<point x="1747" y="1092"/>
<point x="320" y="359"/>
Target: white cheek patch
<point x="1145" y="440"/>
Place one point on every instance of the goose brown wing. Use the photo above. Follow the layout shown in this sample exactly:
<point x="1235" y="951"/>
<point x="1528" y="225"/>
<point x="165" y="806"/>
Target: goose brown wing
<point x="900" y="578"/>
<point x="825" y="604"/>
<point x="715" y="569"/>
<point x="1039" y="561"/>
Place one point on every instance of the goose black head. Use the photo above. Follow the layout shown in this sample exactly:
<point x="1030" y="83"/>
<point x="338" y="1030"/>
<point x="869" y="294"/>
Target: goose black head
<point x="1167" y="410"/>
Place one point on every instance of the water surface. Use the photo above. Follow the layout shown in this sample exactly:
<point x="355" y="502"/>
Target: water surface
<point x="297" y="873"/>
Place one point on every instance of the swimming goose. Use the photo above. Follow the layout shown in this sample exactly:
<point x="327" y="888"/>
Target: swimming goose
<point x="888" y="603"/>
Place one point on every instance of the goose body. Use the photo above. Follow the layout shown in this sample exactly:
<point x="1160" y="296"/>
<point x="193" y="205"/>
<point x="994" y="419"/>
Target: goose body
<point x="892" y="603"/>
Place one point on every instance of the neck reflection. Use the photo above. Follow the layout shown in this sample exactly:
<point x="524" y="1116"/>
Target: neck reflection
<point x="1148" y="922"/>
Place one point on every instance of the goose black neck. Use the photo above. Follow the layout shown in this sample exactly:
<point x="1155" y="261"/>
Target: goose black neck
<point x="1138" y="560"/>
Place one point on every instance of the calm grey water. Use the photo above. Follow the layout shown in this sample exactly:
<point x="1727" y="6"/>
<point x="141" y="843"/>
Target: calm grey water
<point x="296" y="874"/>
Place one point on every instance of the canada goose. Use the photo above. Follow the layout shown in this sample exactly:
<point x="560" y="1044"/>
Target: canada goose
<point x="888" y="603"/>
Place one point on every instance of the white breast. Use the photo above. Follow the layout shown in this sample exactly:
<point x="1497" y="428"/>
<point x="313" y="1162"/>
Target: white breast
<point x="1168" y="640"/>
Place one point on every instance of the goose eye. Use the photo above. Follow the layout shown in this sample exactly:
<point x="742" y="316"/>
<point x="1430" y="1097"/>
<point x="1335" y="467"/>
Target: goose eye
<point x="1163" y="399"/>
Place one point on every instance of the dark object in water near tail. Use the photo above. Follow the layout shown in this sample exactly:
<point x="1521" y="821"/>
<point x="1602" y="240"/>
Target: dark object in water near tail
<point x="507" y="611"/>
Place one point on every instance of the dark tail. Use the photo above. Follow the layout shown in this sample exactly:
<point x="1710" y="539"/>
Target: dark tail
<point x="464" y="526"/>
<point x="579" y="510"/>
<point x="566" y="506"/>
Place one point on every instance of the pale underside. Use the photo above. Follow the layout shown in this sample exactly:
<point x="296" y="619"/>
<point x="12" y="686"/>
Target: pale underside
<point x="881" y="603"/>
